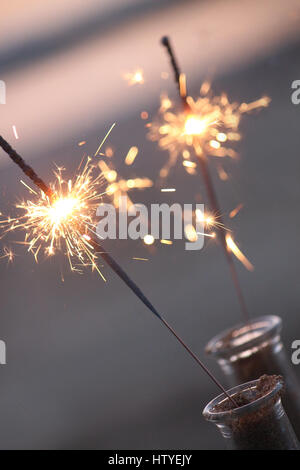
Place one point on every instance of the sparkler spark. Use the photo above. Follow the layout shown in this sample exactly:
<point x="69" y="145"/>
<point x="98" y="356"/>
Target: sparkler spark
<point x="15" y="132"/>
<point x="237" y="252"/>
<point x="209" y="127"/>
<point x="209" y="220"/>
<point x="190" y="233"/>
<point x="63" y="222"/>
<point x="118" y="187"/>
<point x="144" y="115"/>
<point x="222" y="173"/>
<point x="149" y="239"/>
<point x="166" y="242"/>
<point x="131" y="155"/>
<point x="236" y="210"/>
<point x="134" y="78"/>
<point x="8" y="254"/>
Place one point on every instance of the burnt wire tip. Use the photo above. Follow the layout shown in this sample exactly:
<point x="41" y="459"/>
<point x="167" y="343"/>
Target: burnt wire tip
<point x="165" y="41"/>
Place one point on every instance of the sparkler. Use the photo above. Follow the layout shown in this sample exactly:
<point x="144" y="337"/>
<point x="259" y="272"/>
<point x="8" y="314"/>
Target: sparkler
<point x="62" y="219"/>
<point x="65" y="211"/>
<point x="205" y="126"/>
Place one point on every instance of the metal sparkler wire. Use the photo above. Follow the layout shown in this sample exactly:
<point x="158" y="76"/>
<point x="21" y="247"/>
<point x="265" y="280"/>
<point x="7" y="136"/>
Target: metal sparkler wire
<point x="28" y="170"/>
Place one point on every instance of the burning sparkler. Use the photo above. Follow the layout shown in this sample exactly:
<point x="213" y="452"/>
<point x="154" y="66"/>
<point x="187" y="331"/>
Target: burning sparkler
<point x="66" y="214"/>
<point x="205" y="127"/>
<point x="62" y="219"/>
<point x="208" y="126"/>
<point x="62" y="222"/>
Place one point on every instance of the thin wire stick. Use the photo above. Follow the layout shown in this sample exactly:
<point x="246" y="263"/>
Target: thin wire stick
<point x="111" y="262"/>
<point x="137" y="291"/>
<point x="28" y="170"/>
<point x="211" y="193"/>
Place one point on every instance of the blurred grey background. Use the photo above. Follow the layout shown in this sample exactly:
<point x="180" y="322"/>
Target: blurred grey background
<point x="88" y="366"/>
